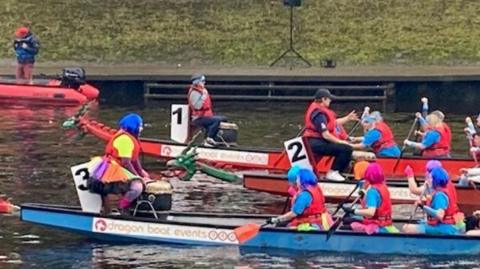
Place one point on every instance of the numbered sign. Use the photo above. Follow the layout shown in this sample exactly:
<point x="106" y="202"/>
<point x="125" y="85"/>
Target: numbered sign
<point x="297" y="153"/>
<point x="179" y="121"/>
<point x="90" y="202"/>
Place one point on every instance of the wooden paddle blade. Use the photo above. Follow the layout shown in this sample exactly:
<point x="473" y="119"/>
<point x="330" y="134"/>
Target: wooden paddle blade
<point x="246" y="232"/>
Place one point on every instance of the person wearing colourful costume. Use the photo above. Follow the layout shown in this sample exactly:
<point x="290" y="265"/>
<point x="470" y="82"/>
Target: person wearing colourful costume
<point x="375" y="214"/>
<point x="119" y="171"/>
<point x="201" y="109"/>
<point x="441" y="209"/>
<point x="26" y="46"/>
<point x="378" y="137"/>
<point x="308" y="211"/>
<point x="425" y="191"/>
<point x="436" y="142"/>
<point x="322" y="136"/>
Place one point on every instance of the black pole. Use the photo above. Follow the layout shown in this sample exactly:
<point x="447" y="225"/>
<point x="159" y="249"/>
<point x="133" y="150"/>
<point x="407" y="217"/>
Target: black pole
<point x="291" y="48"/>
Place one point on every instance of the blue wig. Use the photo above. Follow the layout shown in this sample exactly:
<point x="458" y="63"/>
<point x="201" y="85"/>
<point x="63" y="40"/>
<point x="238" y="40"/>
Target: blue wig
<point x="131" y="123"/>
<point x="307" y="178"/>
<point x="439" y="177"/>
<point x="293" y="174"/>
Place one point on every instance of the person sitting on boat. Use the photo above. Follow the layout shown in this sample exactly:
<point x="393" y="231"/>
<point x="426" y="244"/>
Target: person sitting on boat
<point x="292" y="176"/>
<point x="473" y="224"/>
<point x="375" y="215"/>
<point x="321" y="135"/>
<point x="440" y="209"/>
<point x="436" y="142"/>
<point x="378" y="137"/>
<point x="201" y="110"/>
<point x="26" y="46"/>
<point x="119" y="171"/>
<point x="308" y="211"/>
<point x="425" y="191"/>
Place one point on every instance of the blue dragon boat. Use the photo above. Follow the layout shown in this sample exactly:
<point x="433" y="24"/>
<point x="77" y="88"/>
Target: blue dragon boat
<point x="215" y="229"/>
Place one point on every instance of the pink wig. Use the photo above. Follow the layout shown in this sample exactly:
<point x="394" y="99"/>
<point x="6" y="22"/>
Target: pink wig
<point x="374" y="174"/>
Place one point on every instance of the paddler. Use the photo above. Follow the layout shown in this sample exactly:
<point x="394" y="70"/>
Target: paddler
<point x="378" y="137"/>
<point x="440" y="209"/>
<point x="375" y="214"/>
<point x="436" y="142"/>
<point x="201" y="109"/>
<point x="322" y="136"/>
<point x="425" y="191"/>
<point x="308" y="211"/>
<point x="473" y="224"/>
<point x="119" y="171"/>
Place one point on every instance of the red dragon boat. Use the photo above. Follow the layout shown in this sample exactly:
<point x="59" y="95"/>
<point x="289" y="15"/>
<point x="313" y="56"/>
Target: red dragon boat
<point x="69" y="90"/>
<point x="272" y="160"/>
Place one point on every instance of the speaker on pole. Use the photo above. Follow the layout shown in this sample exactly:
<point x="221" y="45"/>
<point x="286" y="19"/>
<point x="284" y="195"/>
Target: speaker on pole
<point x="292" y="3"/>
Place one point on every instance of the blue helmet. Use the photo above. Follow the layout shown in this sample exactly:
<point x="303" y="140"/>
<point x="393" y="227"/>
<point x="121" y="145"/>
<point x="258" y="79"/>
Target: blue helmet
<point x="307" y="178"/>
<point x="292" y="174"/>
<point x="131" y="123"/>
<point x="439" y="177"/>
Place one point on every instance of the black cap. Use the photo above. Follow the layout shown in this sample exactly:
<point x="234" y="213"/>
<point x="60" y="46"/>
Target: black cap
<point x="322" y="92"/>
<point x="197" y="78"/>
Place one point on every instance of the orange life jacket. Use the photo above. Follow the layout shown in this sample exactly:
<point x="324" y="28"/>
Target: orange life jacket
<point x="386" y="140"/>
<point x="111" y="151"/>
<point x="313" y="213"/>
<point x="206" y="109"/>
<point x="451" y="210"/>
<point x="442" y="147"/>
<point x="310" y="129"/>
<point x="383" y="214"/>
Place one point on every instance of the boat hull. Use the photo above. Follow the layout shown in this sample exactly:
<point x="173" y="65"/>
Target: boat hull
<point x="265" y="159"/>
<point x="468" y="197"/>
<point x="49" y="93"/>
<point x="217" y="230"/>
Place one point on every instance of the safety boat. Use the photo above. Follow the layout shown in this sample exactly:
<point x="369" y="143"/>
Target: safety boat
<point x="272" y="160"/>
<point x="212" y="229"/>
<point x="70" y="89"/>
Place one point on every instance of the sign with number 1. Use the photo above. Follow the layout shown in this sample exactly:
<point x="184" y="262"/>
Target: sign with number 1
<point x="297" y="153"/>
<point x="179" y="121"/>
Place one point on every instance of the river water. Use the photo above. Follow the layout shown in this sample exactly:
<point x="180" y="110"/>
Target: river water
<point x="36" y="156"/>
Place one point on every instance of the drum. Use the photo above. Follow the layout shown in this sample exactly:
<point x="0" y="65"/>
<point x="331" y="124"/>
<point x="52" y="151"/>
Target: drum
<point x="159" y="194"/>
<point x="227" y="133"/>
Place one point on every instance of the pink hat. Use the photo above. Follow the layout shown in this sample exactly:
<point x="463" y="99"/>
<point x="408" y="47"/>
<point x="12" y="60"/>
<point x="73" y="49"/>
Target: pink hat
<point x="374" y="173"/>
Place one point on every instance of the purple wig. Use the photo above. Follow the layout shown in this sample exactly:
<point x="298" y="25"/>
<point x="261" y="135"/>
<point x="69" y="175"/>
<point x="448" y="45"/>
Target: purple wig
<point x="374" y="174"/>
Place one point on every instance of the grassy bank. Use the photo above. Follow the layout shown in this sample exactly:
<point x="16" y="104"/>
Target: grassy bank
<point x="248" y="31"/>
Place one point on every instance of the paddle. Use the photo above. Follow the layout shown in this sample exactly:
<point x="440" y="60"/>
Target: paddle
<point x="414" y="211"/>
<point x="339" y="221"/>
<point x="404" y="146"/>
<point x="248" y="231"/>
<point x="359" y="183"/>
<point x="365" y="113"/>
<point x="471" y="131"/>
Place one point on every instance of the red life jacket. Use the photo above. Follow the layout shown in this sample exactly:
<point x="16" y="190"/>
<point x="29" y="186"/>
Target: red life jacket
<point x="206" y="109"/>
<point x="383" y="214"/>
<point x="310" y="130"/>
<point x="313" y="213"/>
<point x="340" y="132"/>
<point x="442" y="147"/>
<point x="111" y="151"/>
<point x="386" y="140"/>
<point x="451" y="210"/>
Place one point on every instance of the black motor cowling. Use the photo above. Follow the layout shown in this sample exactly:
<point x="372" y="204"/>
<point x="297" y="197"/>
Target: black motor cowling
<point x="159" y="194"/>
<point x="72" y="77"/>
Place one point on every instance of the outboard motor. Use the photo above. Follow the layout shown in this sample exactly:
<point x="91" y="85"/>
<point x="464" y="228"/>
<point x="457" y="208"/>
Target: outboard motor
<point x="72" y="77"/>
<point x="157" y="194"/>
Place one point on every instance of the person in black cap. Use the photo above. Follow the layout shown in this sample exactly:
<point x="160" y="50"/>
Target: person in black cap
<point x="322" y="135"/>
<point x="200" y="105"/>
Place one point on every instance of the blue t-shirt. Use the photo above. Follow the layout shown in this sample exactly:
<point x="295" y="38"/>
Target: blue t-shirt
<point x="431" y="137"/>
<point x="319" y="120"/>
<point x="303" y="200"/>
<point x="439" y="201"/>
<point x="375" y="135"/>
<point x="372" y="198"/>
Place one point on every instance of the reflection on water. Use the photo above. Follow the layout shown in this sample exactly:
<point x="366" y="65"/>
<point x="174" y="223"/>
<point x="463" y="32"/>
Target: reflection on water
<point x="36" y="155"/>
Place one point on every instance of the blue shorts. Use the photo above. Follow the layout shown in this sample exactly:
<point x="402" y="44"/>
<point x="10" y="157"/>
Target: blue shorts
<point x="439" y="229"/>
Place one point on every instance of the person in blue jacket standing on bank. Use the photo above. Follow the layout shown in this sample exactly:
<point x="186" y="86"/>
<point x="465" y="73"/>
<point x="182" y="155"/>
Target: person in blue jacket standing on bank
<point x="26" y="46"/>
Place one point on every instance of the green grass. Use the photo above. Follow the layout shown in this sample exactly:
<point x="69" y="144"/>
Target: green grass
<point x="248" y="31"/>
